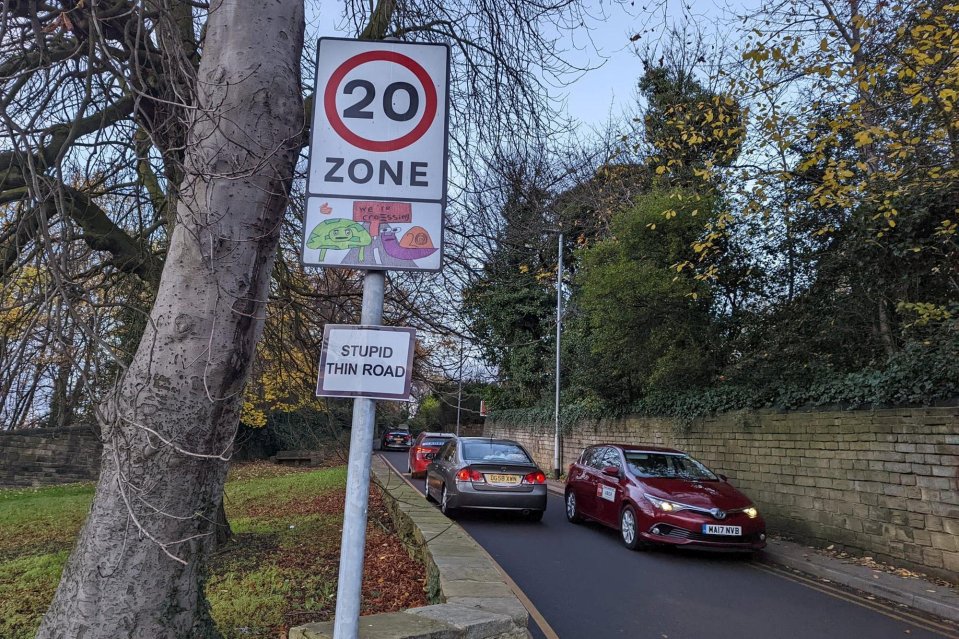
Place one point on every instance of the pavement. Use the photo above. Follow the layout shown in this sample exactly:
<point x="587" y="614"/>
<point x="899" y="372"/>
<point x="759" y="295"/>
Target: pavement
<point x="917" y="593"/>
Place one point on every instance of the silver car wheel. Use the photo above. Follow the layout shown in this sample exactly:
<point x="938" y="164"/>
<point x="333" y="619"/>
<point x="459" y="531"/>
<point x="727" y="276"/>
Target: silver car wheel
<point x="628" y="527"/>
<point x="445" y="507"/>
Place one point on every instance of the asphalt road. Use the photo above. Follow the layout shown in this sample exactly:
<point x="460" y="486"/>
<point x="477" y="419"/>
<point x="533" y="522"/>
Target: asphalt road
<point x="587" y="585"/>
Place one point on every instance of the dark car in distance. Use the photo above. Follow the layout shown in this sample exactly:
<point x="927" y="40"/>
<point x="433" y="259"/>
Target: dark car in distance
<point x="423" y="450"/>
<point x="396" y="439"/>
<point x="485" y="473"/>
<point x="658" y="495"/>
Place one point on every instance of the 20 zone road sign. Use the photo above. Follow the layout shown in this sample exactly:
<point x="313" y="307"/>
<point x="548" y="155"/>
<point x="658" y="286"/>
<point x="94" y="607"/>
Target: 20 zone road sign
<point x="380" y="120"/>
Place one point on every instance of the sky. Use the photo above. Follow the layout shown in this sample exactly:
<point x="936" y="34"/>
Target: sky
<point x="609" y="86"/>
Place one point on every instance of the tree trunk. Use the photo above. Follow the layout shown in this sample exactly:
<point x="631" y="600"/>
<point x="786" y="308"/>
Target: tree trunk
<point x="61" y="406"/>
<point x="885" y="330"/>
<point x="224" y="532"/>
<point x="137" y="570"/>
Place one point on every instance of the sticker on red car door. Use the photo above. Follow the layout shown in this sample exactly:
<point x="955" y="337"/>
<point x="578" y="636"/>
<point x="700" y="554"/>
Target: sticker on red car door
<point x="606" y="492"/>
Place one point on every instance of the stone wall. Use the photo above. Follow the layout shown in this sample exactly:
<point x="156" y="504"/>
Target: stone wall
<point x="884" y="483"/>
<point x="48" y="456"/>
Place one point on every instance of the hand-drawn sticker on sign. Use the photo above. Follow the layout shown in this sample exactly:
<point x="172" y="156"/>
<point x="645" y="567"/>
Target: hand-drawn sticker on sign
<point x="339" y="234"/>
<point x="370" y="234"/>
<point x="414" y="245"/>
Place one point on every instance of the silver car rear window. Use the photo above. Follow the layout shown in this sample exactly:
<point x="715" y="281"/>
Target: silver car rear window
<point x="494" y="452"/>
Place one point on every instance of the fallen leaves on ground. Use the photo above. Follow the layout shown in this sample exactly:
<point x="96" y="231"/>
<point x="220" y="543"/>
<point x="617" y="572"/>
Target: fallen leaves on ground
<point x="866" y="561"/>
<point x="392" y="580"/>
<point x="241" y="471"/>
<point x="287" y="554"/>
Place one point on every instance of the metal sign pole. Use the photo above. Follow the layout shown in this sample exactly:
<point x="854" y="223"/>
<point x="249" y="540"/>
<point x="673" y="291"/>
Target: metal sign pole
<point x="353" y="541"/>
<point x="353" y="221"/>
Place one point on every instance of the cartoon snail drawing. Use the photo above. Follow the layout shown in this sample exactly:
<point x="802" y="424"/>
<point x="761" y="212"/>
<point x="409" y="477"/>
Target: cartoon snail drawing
<point x="415" y="244"/>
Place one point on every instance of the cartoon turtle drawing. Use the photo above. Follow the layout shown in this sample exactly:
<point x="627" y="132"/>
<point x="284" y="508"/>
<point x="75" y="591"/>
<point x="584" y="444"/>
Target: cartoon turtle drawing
<point x="339" y="234"/>
<point x="415" y="244"/>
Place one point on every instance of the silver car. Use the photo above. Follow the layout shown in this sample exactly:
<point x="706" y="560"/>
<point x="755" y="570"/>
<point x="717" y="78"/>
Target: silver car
<point x="485" y="473"/>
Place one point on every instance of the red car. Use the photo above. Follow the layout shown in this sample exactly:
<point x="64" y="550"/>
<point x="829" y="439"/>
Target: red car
<point x="661" y="496"/>
<point x="423" y="450"/>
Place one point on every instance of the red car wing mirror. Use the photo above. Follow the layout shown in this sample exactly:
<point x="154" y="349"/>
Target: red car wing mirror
<point x="612" y="471"/>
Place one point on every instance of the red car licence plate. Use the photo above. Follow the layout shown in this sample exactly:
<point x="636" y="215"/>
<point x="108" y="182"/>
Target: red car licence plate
<point x="717" y="529"/>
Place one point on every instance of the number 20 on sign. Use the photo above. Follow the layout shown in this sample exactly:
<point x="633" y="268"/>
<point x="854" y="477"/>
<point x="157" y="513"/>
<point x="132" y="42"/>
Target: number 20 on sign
<point x="380" y="120"/>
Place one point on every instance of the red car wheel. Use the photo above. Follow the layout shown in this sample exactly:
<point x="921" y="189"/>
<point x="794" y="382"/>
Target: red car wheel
<point x="629" y="529"/>
<point x="572" y="509"/>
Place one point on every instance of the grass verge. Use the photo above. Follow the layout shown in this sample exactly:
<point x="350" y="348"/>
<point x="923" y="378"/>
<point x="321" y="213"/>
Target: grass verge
<point x="278" y="571"/>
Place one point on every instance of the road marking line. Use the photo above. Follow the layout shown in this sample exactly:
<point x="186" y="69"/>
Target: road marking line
<point x="544" y="626"/>
<point x="904" y="616"/>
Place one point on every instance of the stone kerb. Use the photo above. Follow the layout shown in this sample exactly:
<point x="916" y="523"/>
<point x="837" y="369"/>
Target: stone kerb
<point x="469" y="598"/>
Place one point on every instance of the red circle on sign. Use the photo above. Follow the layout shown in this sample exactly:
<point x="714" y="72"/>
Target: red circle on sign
<point x="329" y="102"/>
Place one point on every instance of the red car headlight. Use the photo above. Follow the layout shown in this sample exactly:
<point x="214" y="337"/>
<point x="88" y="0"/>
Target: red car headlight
<point x="664" y="504"/>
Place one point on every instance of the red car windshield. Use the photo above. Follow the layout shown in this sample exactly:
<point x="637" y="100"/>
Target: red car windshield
<point x="667" y="466"/>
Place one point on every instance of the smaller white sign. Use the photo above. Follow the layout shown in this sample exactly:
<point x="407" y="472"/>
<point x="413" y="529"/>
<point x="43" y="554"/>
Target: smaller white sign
<point x="608" y="493"/>
<point x="375" y="362"/>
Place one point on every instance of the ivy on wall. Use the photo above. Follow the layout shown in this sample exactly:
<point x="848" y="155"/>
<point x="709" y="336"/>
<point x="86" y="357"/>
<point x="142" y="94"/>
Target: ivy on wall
<point x="918" y="375"/>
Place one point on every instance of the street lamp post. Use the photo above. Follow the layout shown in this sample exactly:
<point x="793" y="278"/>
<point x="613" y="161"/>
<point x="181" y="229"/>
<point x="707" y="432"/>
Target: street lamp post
<point x="459" y="391"/>
<point x="559" y="324"/>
